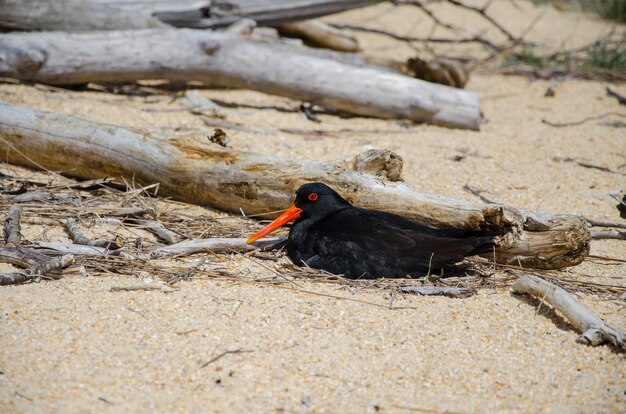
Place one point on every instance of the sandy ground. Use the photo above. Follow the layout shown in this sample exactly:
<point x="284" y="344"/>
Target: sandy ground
<point x="74" y="346"/>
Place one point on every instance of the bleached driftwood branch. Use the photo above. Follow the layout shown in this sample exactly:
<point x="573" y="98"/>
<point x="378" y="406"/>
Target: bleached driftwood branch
<point x="82" y="15"/>
<point x="203" y="173"/>
<point x="36" y="271"/>
<point x="228" y="60"/>
<point x="594" y="331"/>
<point x="216" y="244"/>
<point x="74" y="249"/>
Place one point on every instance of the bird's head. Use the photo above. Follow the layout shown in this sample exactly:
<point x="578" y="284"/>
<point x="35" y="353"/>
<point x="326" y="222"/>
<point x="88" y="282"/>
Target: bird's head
<point x="314" y="201"/>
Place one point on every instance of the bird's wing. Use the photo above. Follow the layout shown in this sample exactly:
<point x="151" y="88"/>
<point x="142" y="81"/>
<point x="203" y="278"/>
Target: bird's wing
<point x="382" y="237"/>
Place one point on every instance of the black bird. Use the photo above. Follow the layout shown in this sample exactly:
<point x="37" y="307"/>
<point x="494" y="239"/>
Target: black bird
<point x="330" y="234"/>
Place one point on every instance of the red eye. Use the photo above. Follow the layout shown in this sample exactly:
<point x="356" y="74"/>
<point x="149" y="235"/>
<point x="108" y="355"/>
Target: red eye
<point x="312" y="196"/>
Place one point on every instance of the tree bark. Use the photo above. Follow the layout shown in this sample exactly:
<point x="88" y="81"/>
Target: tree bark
<point x="227" y="60"/>
<point x="203" y="173"/>
<point x="85" y="15"/>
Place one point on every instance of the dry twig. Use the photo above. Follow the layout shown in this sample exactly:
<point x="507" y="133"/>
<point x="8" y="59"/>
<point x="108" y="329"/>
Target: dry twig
<point x="478" y="193"/>
<point x="582" y="121"/>
<point x="223" y="354"/>
<point x="77" y="236"/>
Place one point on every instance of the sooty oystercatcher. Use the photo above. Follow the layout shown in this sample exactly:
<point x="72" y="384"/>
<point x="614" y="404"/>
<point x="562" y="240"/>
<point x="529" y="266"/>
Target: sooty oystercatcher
<point x="330" y="234"/>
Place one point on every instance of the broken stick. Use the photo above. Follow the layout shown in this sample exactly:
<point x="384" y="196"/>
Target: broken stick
<point x="12" y="235"/>
<point x="37" y="271"/>
<point x="594" y="330"/>
<point x="77" y="237"/>
<point x="216" y="244"/>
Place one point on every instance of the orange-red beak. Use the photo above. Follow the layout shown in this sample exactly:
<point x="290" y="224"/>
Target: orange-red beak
<point x="292" y="213"/>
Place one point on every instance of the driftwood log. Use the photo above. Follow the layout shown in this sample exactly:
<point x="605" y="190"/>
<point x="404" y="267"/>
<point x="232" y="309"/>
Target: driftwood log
<point x="85" y="15"/>
<point x="228" y="60"/>
<point x="594" y="331"/>
<point x="204" y="173"/>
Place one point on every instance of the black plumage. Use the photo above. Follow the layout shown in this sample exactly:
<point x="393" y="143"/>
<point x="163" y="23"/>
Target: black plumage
<point x="331" y="234"/>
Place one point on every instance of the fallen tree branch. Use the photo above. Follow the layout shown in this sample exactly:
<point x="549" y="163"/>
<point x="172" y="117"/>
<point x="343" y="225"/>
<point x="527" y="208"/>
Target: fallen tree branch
<point x="197" y="171"/>
<point x="37" y="271"/>
<point x="594" y="330"/>
<point x="227" y="60"/>
<point x="77" y="237"/>
<point x="215" y="244"/>
<point x="12" y="235"/>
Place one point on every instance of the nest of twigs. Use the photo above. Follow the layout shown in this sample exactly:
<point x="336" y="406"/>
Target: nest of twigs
<point x="137" y="221"/>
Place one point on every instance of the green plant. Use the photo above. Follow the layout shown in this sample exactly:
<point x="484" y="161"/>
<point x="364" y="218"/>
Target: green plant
<point x="606" y="56"/>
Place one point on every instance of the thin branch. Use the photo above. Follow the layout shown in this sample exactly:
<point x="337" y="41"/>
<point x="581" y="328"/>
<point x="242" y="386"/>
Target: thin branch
<point x="215" y="244"/>
<point x="223" y="354"/>
<point x="582" y="121"/>
<point x="77" y="236"/>
<point x="482" y="12"/>
<point x="474" y="39"/>
<point x="478" y="193"/>
<point x="586" y="165"/>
